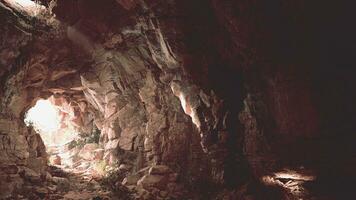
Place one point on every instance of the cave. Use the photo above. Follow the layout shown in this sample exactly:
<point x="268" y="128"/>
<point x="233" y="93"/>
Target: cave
<point x="177" y="100"/>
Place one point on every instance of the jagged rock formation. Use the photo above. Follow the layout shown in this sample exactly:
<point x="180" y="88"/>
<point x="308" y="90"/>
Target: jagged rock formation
<point x="193" y="99"/>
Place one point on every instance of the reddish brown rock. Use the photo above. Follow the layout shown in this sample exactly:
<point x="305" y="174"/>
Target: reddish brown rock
<point x="152" y="181"/>
<point x="87" y="152"/>
<point x="55" y="160"/>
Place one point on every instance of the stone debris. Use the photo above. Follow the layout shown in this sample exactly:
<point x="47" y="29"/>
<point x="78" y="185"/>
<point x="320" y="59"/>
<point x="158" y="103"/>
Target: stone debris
<point x="55" y="160"/>
<point x="157" y="182"/>
<point x="87" y="152"/>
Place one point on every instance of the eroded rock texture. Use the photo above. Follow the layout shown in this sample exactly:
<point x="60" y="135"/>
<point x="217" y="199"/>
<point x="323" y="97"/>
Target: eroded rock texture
<point x="193" y="99"/>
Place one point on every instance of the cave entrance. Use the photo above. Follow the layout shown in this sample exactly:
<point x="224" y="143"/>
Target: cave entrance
<point x="68" y="132"/>
<point x="54" y="123"/>
<point x="49" y="121"/>
<point x="75" y="157"/>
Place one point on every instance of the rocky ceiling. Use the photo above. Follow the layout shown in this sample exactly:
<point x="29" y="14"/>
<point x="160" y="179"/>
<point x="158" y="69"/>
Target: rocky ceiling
<point x="212" y="99"/>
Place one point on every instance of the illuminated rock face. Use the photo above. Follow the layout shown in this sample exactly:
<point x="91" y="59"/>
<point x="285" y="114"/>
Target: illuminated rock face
<point x="223" y="94"/>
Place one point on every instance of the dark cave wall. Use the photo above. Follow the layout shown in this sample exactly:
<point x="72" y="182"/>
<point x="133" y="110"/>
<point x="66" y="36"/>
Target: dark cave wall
<point x="291" y="64"/>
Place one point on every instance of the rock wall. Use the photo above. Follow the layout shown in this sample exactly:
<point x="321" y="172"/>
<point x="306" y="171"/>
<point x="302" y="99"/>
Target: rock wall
<point x="23" y="156"/>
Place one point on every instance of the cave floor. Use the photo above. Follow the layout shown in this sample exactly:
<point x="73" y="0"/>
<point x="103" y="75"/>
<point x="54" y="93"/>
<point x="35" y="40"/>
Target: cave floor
<point x="70" y="181"/>
<point x="69" y="184"/>
<point x="76" y="185"/>
<point x="66" y="185"/>
<point x="75" y="181"/>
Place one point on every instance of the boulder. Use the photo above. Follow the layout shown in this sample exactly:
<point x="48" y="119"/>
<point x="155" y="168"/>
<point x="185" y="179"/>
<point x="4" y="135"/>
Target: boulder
<point x="30" y="175"/>
<point x="124" y="167"/>
<point x="159" y="170"/>
<point x="63" y="184"/>
<point x="55" y="160"/>
<point x="152" y="181"/>
<point x="87" y="151"/>
<point x="131" y="180"/>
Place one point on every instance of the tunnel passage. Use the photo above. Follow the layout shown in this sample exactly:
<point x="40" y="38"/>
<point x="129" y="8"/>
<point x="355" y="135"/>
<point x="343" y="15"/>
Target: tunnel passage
<point x="177" y="99"/>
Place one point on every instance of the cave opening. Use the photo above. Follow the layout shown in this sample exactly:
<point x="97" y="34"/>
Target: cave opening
<point x="45" y="118"/>
<point x="55" y="124"/>
<point x="69" y="143"/>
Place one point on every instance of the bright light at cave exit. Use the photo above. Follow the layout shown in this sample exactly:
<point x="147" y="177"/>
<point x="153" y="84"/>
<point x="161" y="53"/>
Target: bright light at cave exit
<point x="47" y="120"/>
<point x="44" y="116"/>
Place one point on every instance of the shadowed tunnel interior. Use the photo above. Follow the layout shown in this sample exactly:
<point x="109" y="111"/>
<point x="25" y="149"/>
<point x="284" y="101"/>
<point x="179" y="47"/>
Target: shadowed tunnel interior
<point x="203" y="99"/>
